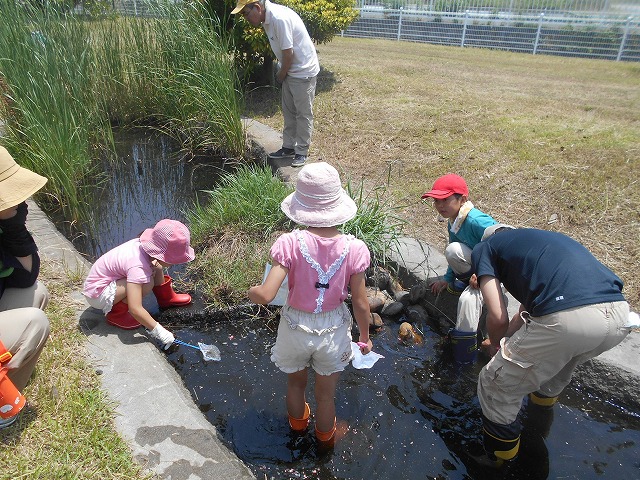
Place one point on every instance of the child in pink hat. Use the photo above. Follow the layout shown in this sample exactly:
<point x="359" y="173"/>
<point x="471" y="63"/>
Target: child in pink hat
<point x="322" y="265"/>
<point x="120" y="278"/>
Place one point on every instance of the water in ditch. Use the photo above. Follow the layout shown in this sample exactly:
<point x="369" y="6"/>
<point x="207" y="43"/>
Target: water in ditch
<point x="148" y="181"/>
<point x="413" y="416"/>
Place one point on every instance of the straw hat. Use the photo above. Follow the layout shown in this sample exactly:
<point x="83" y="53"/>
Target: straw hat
<point x="319" y="199"/>
<point x="168" y="241"/>
<point x="16" y="183"/>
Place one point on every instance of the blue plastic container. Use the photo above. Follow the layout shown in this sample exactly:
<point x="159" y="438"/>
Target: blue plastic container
<point x="465" y="346"/>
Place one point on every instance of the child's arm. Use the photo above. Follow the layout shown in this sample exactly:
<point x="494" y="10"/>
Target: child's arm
<point x="361" y="309"/>
<point x="157" y="331"/>
<point x="134" y="299"/>
<point x="263" y="294"/>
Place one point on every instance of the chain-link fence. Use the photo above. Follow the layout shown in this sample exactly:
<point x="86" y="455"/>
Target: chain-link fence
<point x="577" y="33"/>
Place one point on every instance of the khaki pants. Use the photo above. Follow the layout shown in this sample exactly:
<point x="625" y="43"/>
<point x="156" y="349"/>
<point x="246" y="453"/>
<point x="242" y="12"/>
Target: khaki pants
<point x="24" y="329"/>
<point x="297" y="110"/>
<point x="542" y="355"/>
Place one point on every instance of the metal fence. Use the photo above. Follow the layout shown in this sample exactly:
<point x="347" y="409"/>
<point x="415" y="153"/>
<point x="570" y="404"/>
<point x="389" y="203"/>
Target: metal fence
<point x="575" y="34"/>
<point x="602" y="29"/>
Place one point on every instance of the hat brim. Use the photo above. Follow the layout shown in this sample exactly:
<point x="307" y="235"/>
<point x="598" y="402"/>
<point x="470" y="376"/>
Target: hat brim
<point x="19" y="186"/>
<point x="489" y="231"/>
<point x="439" y="194"/>
<point x="150" y="248"/>
<point x="341" y="213"/>
<point x="240" y="6"/>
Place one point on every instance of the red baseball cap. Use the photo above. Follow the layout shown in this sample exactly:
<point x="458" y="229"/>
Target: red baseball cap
<point x="446" y="186"/>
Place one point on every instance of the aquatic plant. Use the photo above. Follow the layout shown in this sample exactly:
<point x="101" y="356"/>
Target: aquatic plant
<point x="235" y="227"/>
<point x="66" y="80"/>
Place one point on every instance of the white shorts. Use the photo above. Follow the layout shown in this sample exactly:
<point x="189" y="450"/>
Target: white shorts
<point x="104" y="302"/>
<point x="321" y="341"/>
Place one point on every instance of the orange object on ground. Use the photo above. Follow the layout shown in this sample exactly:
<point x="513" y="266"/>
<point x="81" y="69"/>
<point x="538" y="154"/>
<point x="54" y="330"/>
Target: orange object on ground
<point x="120" y="317"/>
<point x="11" y="400"/>
<point x="300" y="424"/>
<point x="167" y="297"/>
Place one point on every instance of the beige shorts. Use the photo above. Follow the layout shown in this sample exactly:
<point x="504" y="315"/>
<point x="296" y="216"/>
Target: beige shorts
<point x="321" y="341"/>
<point x="104" y="301"/>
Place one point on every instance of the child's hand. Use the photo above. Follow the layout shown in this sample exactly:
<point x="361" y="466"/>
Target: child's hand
<point x="163" y="336"/>
<point x="473" y="281"/>
<point x="365" y="347"/>
<point x="438" y="286"/>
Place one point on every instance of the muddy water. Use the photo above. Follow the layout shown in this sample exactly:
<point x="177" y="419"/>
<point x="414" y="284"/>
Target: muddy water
<point x="149" y="182"/>
<point x="414" y="415"/>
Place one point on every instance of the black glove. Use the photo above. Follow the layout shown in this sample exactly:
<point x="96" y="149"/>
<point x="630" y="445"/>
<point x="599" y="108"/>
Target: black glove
<point x="15" y="238"/>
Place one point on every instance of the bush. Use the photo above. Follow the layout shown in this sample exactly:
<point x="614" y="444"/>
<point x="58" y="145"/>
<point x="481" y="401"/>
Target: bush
<point x="323" y="19"/>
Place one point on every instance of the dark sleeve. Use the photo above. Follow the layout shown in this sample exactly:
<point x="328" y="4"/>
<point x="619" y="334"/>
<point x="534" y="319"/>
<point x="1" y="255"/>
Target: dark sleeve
<point x="21" y="278"/>
<point x="16" y="239"/>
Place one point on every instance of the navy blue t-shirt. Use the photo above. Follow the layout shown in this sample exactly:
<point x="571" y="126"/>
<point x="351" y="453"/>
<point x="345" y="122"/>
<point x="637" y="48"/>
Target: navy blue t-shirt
<point x="545" y="271"/>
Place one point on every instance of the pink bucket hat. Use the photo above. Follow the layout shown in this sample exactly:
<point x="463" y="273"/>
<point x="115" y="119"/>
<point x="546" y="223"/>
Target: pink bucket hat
<point x="168" y="241"/>
<point x="319" y="199"/>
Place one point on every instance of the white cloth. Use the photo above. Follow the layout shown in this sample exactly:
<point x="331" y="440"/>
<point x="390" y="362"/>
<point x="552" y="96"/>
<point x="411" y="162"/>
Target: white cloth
<point x="163" y="336"/>
<point x="363" y="361"/>
<point x="283" y="291"/>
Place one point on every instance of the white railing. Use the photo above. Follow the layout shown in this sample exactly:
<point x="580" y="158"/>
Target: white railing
<point x="611" y="37"/>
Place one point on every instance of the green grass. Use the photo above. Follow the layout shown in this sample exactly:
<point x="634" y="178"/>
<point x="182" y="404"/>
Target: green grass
<point x="67" y="430"/>
<point x="234" y="228"/>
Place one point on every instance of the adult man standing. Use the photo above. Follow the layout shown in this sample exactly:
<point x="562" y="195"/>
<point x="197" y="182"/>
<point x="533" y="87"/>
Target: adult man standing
<point x="299" y="67"/>
<point x="572" y="309"/>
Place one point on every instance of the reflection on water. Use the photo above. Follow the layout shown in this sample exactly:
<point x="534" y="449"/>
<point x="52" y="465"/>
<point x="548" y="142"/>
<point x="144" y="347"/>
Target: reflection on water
<point x="413" y="415"/>
<point x="148" y="181"/>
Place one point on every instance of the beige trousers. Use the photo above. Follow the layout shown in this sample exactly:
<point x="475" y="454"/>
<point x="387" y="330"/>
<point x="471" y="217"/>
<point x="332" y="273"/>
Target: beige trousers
<point x="297" y="111"/>
<point x="542" y="355"/>
<point x="24" y="329"/>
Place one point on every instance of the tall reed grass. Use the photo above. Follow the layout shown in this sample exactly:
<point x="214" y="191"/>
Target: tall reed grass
<point x="66" y="80"/>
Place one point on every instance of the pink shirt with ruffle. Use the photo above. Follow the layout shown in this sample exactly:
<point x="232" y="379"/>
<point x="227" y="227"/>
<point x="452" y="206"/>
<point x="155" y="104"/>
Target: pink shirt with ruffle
<point x="127" y="261"/>
<point x="302" y="277"/>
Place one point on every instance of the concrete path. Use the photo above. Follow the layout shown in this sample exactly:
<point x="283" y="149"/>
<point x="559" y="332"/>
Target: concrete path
<point x="156" y="414"/>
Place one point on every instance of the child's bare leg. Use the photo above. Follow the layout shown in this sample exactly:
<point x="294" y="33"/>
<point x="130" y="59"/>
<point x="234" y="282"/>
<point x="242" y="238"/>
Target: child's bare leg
<point x="296" y="386"/>
<point x="121" y="291"/>
<point x="325" y="391"/>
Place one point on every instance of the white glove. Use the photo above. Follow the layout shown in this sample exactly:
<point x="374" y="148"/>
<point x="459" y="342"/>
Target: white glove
<point x="164" y="336"/>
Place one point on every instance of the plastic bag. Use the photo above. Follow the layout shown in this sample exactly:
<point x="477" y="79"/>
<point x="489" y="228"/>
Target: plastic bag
<point x="363" y="361"/>
<point x="283" y="291"/>
<point x="633" y="321"/>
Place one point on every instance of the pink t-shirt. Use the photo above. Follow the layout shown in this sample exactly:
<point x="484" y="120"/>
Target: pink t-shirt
<point x="303" y="293"/>
<point x="127" y="261"/>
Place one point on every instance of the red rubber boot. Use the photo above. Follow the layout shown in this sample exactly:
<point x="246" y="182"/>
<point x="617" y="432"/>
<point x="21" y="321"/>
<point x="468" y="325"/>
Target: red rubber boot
<point x="120" y="317"/>
<point x="167" y="297"/>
